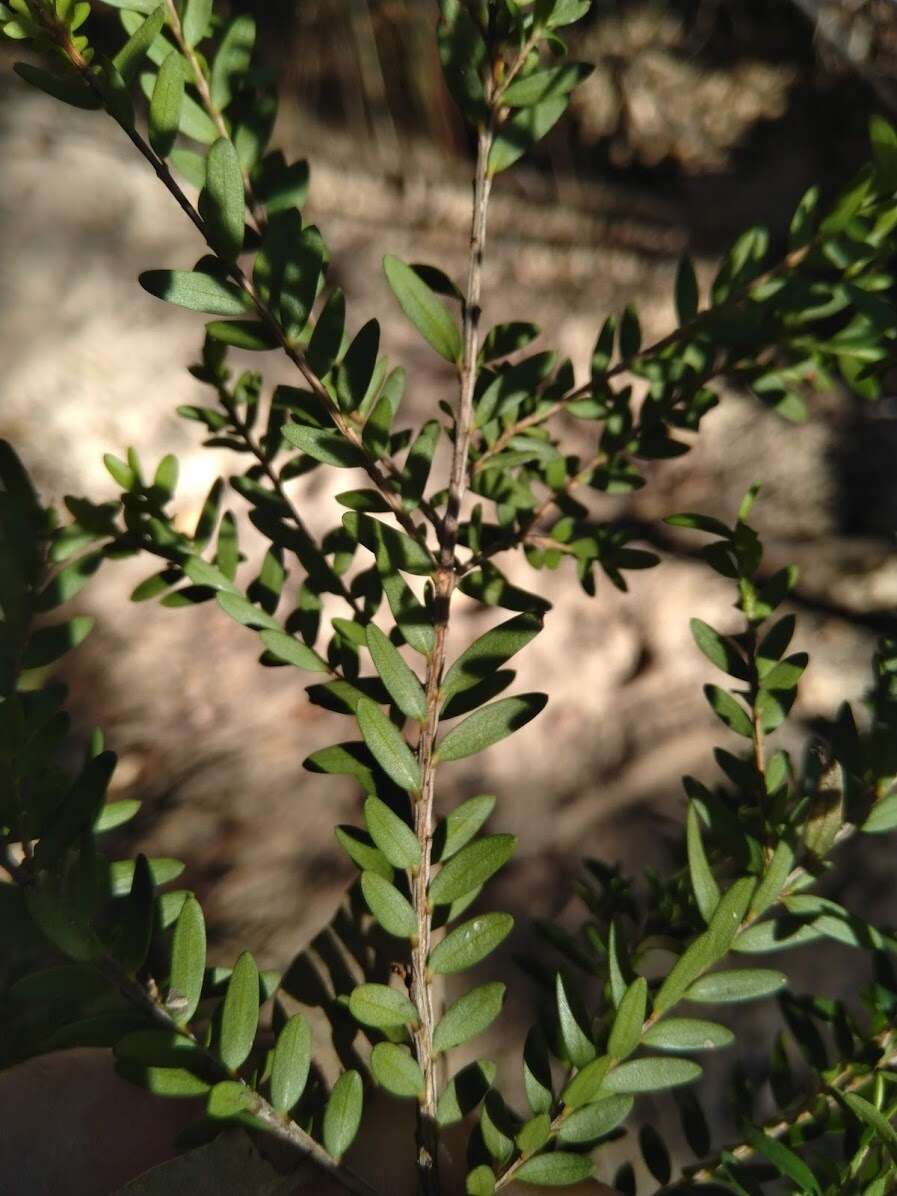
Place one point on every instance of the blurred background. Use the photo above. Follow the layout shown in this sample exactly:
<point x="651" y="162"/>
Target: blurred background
<point x="702" y="116"/>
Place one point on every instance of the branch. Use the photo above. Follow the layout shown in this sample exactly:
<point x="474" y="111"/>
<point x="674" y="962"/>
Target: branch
<point x="444" y="583"/>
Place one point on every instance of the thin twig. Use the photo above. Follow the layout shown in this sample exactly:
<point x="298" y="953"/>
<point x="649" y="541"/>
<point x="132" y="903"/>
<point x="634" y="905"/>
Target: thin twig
<point x="444" y="581"/>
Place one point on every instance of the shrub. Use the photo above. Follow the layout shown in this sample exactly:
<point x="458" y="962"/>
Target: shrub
<point x="627" y="1009"/>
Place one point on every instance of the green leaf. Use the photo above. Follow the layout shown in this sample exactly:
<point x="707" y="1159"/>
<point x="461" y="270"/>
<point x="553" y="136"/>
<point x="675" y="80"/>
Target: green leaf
<point x="687" y="1034"/>
<point x="252" y="335"/>
<point x="115" y="814"/>
<point x="121" y="874"/>
<point x="558" y="1169"/>
<point x="427" y="313"/>
<point x="342" y="1116"/>
<point x="687" y="295"/>
<point x="290" y="1063"/>
<point x="240" y="1013"/>
<point x="703" y="882"/>
<point x="392" y="835"/>
<point x="233" y="60"/>
<point x="537" y="1079"/>
<point x="545" y="84"/>
<point x="469" y="943"/>
<point x="464" y="1092"/>
<point x="869" y="1115"/>
<point x="195" y="290"/>
<point x="594" y="1121"/>
<point x="883" y="138"/>
<point x="391" y="909"/>
<point x="381" y="1006"/>
<point x="362" y="853"/>
<point x="460" y="825"/>
<point x="574" y="1022"/>
<point x="395" y="1068"/>
<point x="774" y="877"/>
<point x="224" y="207"/>
<point x="464" y="58"/>
<point x="327" y="339"/>
<point x="883" y="816"/>
<point x="587" y="1085"/>
<point x="292" y="651"/>
<point x="785" y="1161"/>
<point x="523" y="130"/>
<point x="470" y="1015"/>
<point x="651" y="1074"/>
<point x="480" y="1181"/>
<point x="357" y="368"/>
<point x="245" y="613"/>
<point x="489" y="725"/>
<point x="746" y="984"/>
<point x="135" y="925"/>
<point x="205" y="574"/>
<point x="69" y="581"/>
<point x="230" y="1098"/>
<point x="188" y="961"/>
<point x="127" y="61"/>
<point x="488" y="653"/>
<point x="47" y="644"/>
<point x="158" y="1048"/>
<point x="401" y="683"/>
<point x="718" y="650"/>
<point x="410" y="615"/>
<point x="324" y="444"/>
<point x="68" y="91"/>
<point x="728" y="711"/>
<point x="166" y="103"/>
<point x="470" y="868"/>
<point x="534" y="1134"/>
<point x="387" y="745"/>
<point x="195" y="21"/>
<point x="398" y="549"/>
<point x="627" y="1028"/>
<point x="166" y="1081"/>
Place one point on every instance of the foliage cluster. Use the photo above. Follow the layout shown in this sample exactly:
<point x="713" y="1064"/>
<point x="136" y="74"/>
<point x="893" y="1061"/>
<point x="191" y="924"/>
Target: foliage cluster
<point x="644" y="986"/>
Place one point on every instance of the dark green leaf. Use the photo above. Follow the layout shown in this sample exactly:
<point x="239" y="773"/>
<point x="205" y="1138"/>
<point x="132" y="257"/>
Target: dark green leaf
<point x="230" y="1098"/>
<point x="392" y="835"/>
<point x="290" y="1063"/>
<point x="195" y="290"/>
<point x="594" y="1121"/>
<point x="746" y="984"/>
<point x="387" y="745"/>
<point x="342" y="1116"/>
<point x="391" y="909"/>
<point x="240" y="1013"/>
<point x="395" y="1068"/>
<point x="687" y="1034"/>
<point x="188" y="961"/>
<point x="574" y="1022"/>
<point x="470" y="943"/>
<point x="127" y="61"/>
<point x="327" y="338"/>
<point x="224" y="203"/>
<point x="460" y="825"/>
<point x="233" y="60"/>
<point x="470" y="1015"/>
<point x="470" y="868"/>
<point x="488" y="653"/>
<point x="427" y="313"/>
<point x="381" y="1006"/>
<point x="389" y="545"/>
<point x="626" y="1032"/>
<point x="243" y="611"/>
<point x="166" y="103"/>
<point x="356" y="370"/>
<point x="402" y="684"/>
<point x="47" y="644"/>
<point x="290" y="650"/>
<point x="69" y="91"/>
<point x="545" y="84"/>
<point x="728" y="711"/>
<point x="489" y="725"/>
<point x="324" y="444"/>
<point x="558" y="1169"/>
<point x="523" y="130"/>
<point x="651" y="1074"/>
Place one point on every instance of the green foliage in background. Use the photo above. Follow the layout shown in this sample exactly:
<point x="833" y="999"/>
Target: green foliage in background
<point x="636" y="1000"/>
